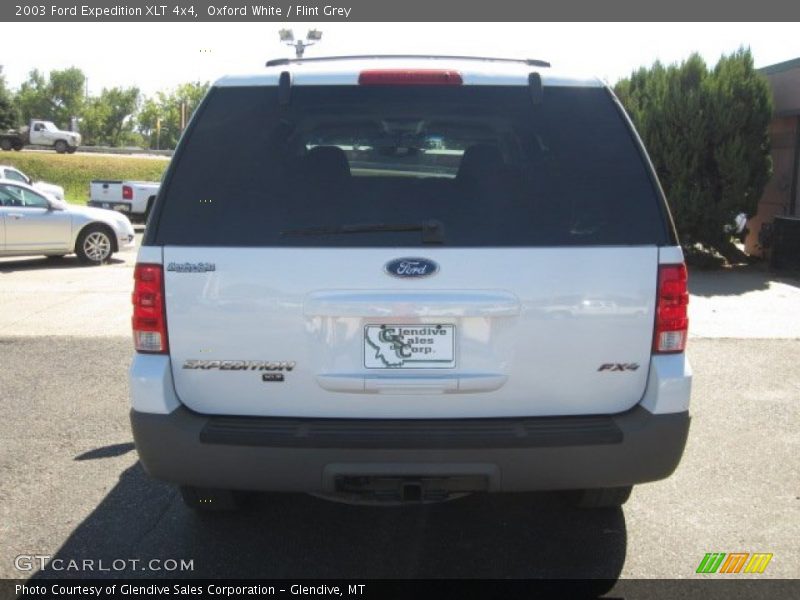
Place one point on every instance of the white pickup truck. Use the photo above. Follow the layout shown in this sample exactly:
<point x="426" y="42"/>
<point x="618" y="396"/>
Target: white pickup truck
<point x="134" y="198"/>
<point x="40" y="133"/>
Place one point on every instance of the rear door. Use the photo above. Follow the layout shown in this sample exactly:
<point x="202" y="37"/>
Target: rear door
<point x="410" y="252"/>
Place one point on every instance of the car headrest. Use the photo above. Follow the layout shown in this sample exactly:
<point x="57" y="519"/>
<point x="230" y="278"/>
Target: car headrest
<point x="480" y="161"/>
<point x="327" y="164"/>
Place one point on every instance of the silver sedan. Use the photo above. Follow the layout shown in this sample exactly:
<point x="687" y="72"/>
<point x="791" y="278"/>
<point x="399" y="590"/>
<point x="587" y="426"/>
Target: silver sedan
<point x="34" y="223"/>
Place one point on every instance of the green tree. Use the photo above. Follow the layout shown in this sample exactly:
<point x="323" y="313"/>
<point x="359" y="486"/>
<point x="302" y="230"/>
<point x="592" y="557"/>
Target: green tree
<point x="707" y="134"/>
<point x="8" y="111"/>
<point x="166" y="109"/>
<point x="67" y="94"/>
<point x="56" y="98"/>
<point x="740" y="109"/>
<point x="32" y="98"/>
<point x="147" y="122"/>
<point x="107" y="119"/>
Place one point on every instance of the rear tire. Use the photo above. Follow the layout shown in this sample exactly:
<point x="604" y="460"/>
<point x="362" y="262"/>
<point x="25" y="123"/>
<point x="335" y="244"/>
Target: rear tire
<point x="6" y="145"/>
<point x="601" y="497"/>
<point x="209" y="499"/>
<point x="17" y="146"/>
<point x="94" y="245"/>
<point x="60" y="146"/>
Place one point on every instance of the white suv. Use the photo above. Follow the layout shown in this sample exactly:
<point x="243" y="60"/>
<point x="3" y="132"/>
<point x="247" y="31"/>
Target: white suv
<point x="414" y="277"/>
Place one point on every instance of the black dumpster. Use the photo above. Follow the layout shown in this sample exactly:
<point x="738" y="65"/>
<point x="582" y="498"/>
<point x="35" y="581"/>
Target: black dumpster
<point x="785" y="243"/>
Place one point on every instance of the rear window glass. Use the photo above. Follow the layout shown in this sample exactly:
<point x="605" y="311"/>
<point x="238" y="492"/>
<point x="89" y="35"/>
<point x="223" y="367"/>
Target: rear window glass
<point x="407" y="166"/>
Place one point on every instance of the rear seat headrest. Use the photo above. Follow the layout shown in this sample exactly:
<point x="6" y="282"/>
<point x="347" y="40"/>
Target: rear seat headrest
<point x="327" y="164"/>
<point x="480" y="161"/>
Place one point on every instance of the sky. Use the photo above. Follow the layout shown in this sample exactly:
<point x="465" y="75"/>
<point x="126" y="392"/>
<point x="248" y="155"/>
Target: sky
<point x="156" y="56"/>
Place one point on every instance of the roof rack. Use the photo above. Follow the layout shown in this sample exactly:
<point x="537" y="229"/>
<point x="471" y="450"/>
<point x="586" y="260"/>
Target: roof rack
<point x="533" y="62"/>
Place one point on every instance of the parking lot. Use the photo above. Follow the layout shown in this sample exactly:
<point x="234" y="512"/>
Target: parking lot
<point x="71" y="487"/>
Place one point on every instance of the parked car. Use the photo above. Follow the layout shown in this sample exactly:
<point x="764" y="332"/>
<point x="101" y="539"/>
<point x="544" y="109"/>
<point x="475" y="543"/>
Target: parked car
<point x="40" y="133"/>
<point x="34" y="223"/>
<point x="134" y="198"/>
<point x="14" y="174"/>
<point x="386" y="328"/>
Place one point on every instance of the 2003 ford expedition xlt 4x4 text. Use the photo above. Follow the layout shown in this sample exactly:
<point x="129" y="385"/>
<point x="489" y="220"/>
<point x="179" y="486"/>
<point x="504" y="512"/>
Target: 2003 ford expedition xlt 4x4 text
<point x="414" y="278"/>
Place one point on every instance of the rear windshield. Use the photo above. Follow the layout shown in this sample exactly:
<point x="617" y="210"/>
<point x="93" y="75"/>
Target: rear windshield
<point x="408" y="166"/>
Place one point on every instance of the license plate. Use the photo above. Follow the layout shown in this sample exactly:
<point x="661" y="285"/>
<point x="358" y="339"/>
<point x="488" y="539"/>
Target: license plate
<point x="122" y="207"/>
<point x="409" y="346"/>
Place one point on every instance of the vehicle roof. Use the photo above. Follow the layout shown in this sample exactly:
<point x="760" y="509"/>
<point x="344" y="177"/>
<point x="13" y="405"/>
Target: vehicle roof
<point x="344" y="71"/>
<point x="21" y="184"/>
<point x="30" y="188"/>
<point x="24" y="186"/>
<point x="15" y="182"/>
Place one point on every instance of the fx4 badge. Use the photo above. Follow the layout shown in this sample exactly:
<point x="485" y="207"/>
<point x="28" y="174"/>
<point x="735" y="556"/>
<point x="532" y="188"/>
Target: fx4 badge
<point x="618" y="367"/>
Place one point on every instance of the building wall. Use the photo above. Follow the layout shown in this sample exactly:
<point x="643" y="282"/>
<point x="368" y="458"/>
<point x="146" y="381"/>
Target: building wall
<point x="777" y="194"/>
<point x="784" y="81"/>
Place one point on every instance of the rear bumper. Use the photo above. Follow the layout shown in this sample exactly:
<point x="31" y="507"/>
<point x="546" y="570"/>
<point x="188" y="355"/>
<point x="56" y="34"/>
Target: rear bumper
<point x="123" y="207"/>
<point x="308" y="455"/>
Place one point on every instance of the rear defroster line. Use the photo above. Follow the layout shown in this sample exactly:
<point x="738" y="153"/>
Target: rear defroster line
<point x="432" y="230"/>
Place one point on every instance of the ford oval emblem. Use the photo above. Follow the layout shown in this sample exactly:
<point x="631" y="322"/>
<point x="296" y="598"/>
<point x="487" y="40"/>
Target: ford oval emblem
<point x="411" y="267"/>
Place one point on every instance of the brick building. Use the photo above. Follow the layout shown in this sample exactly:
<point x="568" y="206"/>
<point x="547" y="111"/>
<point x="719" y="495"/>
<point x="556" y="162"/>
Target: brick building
<point x="781" y="193"/>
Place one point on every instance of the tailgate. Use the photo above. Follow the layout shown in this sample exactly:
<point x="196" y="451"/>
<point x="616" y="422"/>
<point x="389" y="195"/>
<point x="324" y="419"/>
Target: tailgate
<point x="105" y="190"/>
<point x="328" y="333"/>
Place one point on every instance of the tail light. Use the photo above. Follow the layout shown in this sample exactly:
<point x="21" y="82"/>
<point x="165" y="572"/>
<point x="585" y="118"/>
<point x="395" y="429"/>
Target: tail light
<point x="127" y="192"/>
<point x="149" y="310"/>
<point x="409" y="77"/>
<point x="672" y="320"/>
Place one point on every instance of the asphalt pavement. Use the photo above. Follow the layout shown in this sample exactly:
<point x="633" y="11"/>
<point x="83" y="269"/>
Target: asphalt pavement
<point x="71" y="486"/>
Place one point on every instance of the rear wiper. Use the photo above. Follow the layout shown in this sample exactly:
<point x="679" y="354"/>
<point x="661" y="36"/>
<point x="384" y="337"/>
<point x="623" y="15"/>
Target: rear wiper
<point x="432" y="231"/>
